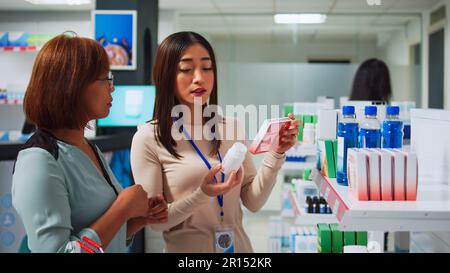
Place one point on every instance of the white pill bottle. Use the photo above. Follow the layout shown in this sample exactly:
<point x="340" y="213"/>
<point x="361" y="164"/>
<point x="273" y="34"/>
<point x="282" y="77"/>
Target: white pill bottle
<point x="234" y="158"/>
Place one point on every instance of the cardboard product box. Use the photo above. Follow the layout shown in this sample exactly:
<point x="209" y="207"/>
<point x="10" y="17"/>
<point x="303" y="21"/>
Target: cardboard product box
<point x="386" y="163"/>
<point x="361" y="238"/>
<point x="349" y="238"/>
<point x="268" y="134"/>
<point x="4" y="39"/>
<point x="411" y="179"/>
<point x="300" y="128"/>
<point x="357" y="165"/>
<point x="288" y="108"/>
<point x="335" y="154"/>
<point x="398" y="169"/>
<point x="18" y="39"/>
<point x="373" y="175"/>
<point x="337" y="239"/>
<point x="328" y="157"/>
<point x="327" y="124"/>
<point x="323" y="238"/>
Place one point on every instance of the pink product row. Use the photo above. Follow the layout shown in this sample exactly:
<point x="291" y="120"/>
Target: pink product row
<point x="382" y="174"/>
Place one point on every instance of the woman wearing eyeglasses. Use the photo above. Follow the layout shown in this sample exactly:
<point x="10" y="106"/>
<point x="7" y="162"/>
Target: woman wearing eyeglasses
<point x="63" y="188"/>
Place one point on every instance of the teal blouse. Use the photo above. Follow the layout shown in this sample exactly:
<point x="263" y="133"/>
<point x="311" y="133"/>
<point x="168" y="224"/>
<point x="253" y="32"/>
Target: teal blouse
<point x="58" y="192"/>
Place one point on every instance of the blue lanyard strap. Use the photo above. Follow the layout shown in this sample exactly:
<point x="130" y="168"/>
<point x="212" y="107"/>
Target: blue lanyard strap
<point x="219" y="197"/>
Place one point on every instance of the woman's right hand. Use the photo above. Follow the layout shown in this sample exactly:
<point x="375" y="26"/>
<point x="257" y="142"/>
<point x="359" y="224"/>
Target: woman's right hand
<point x="211" y="188"/>
<point x="133" y="200"/>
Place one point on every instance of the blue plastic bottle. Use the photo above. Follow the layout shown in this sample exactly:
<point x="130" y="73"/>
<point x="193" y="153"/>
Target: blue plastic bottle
<point x="347" y="138"/>
<point x="369" y="132"/>
<point x="392" y="128"/>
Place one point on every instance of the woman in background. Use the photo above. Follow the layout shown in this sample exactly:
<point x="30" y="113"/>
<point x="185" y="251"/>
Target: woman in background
<point x="372" y="82"/>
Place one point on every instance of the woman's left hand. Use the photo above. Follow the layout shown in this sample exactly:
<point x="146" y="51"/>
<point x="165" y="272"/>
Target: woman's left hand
<point x="158" y="210"/>
<point x="157" y="214"/>
<point x="288" y="135"/>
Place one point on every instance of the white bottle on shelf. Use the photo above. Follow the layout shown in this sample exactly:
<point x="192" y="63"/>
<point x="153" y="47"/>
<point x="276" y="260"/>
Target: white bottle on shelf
<point x="309" y="134"/>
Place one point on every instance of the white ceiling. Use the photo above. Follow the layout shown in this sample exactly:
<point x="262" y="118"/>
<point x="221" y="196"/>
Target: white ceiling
<point x="274" y="6"/>
<point x="257" y="6"/>
<point x="22" y="5"/>
<point x="346" y="18"/>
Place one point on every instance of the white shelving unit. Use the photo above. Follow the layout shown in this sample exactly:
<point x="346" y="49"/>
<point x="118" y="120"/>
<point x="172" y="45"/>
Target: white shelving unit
<point x="14" y="101"/>
<point x="291" y="165"/>
<point x="19" y="48"/>
<point x="302" y="218"/>
<point x="311" y="219"/>
<point x="304" y="150"/>
<point x="430" y="212"/>
<point x="301" y="151"/>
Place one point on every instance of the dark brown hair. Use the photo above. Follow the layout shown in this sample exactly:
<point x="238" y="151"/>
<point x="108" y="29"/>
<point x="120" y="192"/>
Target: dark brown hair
<point x="164" y="74"/>
<point x="63" y="69"/>
<point x="372" y="82"/>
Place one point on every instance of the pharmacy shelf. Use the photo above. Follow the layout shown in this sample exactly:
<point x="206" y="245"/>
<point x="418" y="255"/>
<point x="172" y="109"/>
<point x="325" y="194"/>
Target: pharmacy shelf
<point x="307" y="219"/>
<point x="106" y="143"/>
<point x="312" y="219"/>
<point x="13" y="101"/>
<point x="306" y="149"/>
<point x="292" y="165"/>
<point x="19" y="48"/>
<point x="430" y="212"/>
<point x="303" y="150"/>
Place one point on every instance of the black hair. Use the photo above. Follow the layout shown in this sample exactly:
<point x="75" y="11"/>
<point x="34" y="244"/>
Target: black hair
<point x="168" y="56"/>
<point x="372" y="82"/>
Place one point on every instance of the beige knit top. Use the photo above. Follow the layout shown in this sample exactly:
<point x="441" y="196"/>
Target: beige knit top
<point x="193" y="215"/>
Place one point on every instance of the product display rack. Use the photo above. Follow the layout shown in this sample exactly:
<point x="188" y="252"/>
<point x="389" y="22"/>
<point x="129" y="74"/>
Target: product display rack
<point x="106" y="143"/>
<point x="312" y="219"/>
<point x="292" y="165"/>
<point x="19" y="48"/>
<point x="13" y="101"/>
<point x="430" y="212"/>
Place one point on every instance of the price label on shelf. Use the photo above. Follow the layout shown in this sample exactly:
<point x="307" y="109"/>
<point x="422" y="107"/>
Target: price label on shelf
<point x="327" y="192"/>
<point x="336" y="206"/>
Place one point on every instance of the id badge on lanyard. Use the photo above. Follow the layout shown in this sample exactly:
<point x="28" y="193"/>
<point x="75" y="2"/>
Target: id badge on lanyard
<point x="224" y="239"/>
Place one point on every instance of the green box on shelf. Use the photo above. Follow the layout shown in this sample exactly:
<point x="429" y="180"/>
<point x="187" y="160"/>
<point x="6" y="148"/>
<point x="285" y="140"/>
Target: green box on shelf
<point x="328" y="156"/>
<point x="288" y="108"/>
<point x="300" y="128"/>
<point x="337" y="240"/>
<point x="323" y="238"/>
<point x="307" y="119"/>
<point x="314" y="119"/>
<point x="349" y="238"/>
<point x="335" y="154"/>
<point x="307" y="174"/>
<point x="361" y="238"/>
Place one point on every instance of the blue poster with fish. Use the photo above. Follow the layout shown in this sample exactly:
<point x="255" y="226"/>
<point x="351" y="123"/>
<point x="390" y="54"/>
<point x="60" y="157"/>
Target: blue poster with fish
<point x="115" y="30"/>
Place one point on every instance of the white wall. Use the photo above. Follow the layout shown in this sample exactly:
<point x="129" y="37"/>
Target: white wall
<point x="425" y="48"/>
<point x="47" y="22"/>
<point x="167" y="22"/>
<point x="447" y="57"/>
<point x="394" y="48"/>
<point x="266" y="51"/>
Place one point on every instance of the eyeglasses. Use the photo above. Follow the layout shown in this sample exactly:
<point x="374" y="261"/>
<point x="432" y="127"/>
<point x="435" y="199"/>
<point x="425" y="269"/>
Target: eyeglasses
<point x="109" y="78"/>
